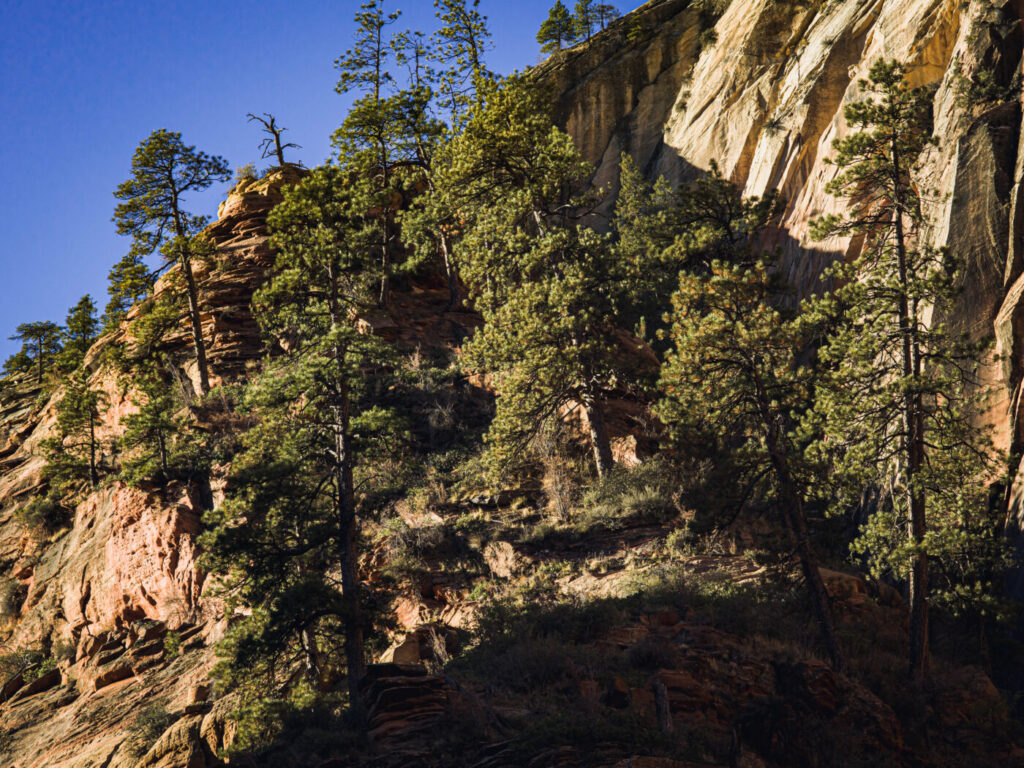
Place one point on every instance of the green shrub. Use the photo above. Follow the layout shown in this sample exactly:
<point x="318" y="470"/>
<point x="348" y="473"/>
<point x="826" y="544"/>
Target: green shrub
<point x="18" y="661"/>
<point x="46" y="664"/>
<point x="983" y="89"/>
<point x="652" y="654"/>
<point x="150" y="724"/>
<point x="12" y="595"/>
<point x="44" y="516"/>
<point x="172" y="645"/>
<point x="644" y="494"/>
<point x="246" y="172"/>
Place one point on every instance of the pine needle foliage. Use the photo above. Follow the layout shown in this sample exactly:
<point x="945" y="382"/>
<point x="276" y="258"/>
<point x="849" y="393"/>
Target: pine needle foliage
<point x="544" y="283"/>
<point x="733" y="380"/>
<point x="164" y="171"/>
<point x="286" y="537"/>
<point x="898" y="408"/>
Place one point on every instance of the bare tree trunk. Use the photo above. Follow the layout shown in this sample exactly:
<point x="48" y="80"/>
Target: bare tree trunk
<point x="793" y="514"/>
<point x="197" y="326"/>
<point x="598" y="435"/>
<point x="94" y="476"/>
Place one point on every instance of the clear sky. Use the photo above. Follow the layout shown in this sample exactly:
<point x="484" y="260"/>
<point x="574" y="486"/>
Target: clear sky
<point x="82" y="82"/>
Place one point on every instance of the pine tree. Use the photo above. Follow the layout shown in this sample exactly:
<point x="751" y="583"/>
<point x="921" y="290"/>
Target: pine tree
<point x="72" y="454"/>
<point x="157" y="440"/>
<point x="732" y="379"/>
<point x="544" y="284"/>
<point x="164" y="170"/>
<point x="130" y="281"/>
<point x="40" y="345"/>
<point x="294" y="482"/>
<point x="895" y="410"/>
<point x="585" y="18"/>
<point x="81" y="329"/>
<point x="606" y="13"/>
<point x="661" y="231"/>
<point x="370" y="141"/>
<point x="459" y="47"/>
<point x="558" y="29"/>
<point x="551" y="339"/>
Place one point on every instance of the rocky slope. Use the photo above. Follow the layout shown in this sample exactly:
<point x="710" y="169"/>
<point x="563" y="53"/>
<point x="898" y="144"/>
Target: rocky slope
<point x="119" y="597"/>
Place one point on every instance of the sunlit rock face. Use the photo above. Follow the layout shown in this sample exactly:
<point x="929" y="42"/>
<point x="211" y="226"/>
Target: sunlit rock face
<point x="104" y="594"/>
<point x="763" y="97"/>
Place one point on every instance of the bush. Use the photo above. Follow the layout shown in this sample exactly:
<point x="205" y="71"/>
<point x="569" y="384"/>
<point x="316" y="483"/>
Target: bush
<point x="150" y="724"/>
<point x="652" y="654"/>
<point x="46" y="664"/>
<point x="17" y="662"/>
<point x="411" y="549"/>
<point x="246" y="172"/>
<point x="44" y="516"/>
<point x="12" y="595"/>
<point x="172" y="644"/>
<point x="644" y="494"/>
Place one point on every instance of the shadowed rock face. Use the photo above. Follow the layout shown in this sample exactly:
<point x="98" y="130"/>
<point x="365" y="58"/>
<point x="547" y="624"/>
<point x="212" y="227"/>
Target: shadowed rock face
<point x="765" y="102"/>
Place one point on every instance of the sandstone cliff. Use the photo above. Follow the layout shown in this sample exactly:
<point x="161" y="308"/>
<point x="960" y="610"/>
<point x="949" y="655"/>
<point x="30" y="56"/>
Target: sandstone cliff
<point x="760" y="91"/>
<point x="763" y="96"/>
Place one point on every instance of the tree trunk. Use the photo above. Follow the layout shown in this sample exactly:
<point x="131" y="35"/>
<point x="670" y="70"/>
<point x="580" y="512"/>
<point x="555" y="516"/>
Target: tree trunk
<point x="197" y="325"/>
<point x="913" y="437"/>
<point x="94" y="476"/>
<point x="193" y="297"/>
<point x="311" y="660"/>
<point x="385" y="280"/>
<point x="793" y="515"/>
<point x="279" y="150"/>
<point x="449" y="270"/>
<point x="345" y="509"/>
<point x="598" y="435"/>
<point x="354" y="650"/>
<point x="162" y="448"/>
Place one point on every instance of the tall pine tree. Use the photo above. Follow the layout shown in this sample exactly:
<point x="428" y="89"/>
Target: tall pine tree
<point x="40" y="345"/>
<point x="545" y="285"/>
<point x="371" y="142"/>
<point x="895" y="410"/>
<point x="295" y="560"/>
<point x="164" y="171"/>
<point x="732" y="382"/>
<point x="81" y="329"/>
<point x="72" y="454"/>
<point x="558" y="29"/>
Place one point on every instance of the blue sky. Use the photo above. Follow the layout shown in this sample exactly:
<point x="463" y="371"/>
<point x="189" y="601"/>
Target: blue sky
<point x="82" y="83"/>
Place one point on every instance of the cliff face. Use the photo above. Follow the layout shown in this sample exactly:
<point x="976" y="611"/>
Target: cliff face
<point x="103" y="595"/>
<point x="761" y="92"/>
<point x="763" y="97"/>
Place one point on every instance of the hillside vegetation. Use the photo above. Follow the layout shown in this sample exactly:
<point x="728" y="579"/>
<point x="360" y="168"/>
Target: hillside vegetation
<point x="445" y="453"/>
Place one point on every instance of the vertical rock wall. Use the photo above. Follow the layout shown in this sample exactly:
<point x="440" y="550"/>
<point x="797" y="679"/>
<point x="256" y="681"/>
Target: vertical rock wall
<point x="764" y="100"/>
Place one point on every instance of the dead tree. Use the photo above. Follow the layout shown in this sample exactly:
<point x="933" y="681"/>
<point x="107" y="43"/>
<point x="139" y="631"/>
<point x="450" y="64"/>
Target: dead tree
<point x="271" y="146"/>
